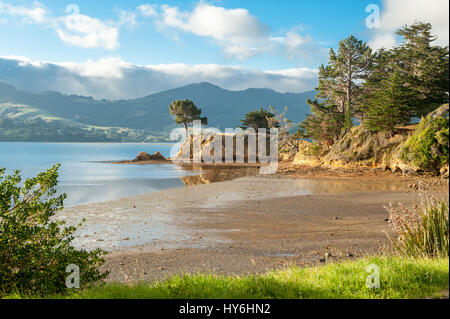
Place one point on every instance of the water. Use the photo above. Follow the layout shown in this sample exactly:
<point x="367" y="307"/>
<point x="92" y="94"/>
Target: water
<point x="85" y="176"/>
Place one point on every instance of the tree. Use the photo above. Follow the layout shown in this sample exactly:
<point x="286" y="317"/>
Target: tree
<point x="259" y="119"/>
<point x="346" y="71"/>
<point x="186" y="112"/>
<point x="388" y="105"/>
<point x="424" y="67"/>
<point x="288" y="141"/>
<point x="35" y="249"/>
<point x="324" y="124"/>
<point x="339" y="90"/>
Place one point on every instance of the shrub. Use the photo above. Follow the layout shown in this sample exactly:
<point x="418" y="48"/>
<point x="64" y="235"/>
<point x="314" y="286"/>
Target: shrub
<point x="428" y="146"/>
<point x="423" y="231"/>
<point x="35" y="249"/>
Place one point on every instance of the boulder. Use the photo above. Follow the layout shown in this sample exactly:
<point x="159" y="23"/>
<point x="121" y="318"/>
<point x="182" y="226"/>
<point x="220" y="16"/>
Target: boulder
<point x="143" y="156"/>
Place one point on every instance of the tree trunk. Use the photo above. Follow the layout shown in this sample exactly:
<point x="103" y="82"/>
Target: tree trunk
<point x="186" y="128"/>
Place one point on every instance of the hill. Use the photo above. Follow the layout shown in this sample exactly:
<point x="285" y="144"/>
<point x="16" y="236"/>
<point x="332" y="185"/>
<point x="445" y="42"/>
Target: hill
<point x="138" y="117"/>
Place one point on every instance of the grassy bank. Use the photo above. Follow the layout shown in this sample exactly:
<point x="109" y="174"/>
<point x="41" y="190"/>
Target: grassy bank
<point x="399" y="278"/>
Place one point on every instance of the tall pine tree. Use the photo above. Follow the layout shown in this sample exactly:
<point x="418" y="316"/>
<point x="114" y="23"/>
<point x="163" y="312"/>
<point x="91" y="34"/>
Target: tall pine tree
<point x="339" y="90"/>
<point x="424" y="67"/>
<point x="388" y="106"/>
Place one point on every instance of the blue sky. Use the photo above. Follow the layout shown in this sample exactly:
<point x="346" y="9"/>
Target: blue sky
<point x="326" y="22"/>
<point x="234" y="44"/>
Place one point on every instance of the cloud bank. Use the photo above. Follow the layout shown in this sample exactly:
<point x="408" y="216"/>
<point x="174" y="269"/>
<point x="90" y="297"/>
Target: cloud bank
<point x="114" y="78"/>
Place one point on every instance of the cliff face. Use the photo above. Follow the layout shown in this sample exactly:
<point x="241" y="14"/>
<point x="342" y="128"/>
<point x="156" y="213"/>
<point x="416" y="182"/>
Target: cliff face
<point x="361" y="148"/>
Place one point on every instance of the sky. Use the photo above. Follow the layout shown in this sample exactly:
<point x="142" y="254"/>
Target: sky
<point x="234" y="44"/>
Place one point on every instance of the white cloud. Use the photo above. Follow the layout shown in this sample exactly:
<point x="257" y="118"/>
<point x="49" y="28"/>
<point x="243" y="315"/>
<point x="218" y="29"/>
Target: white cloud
<point x="37" y="14"/>
<point x="396" y="13"/>
<point x="116" y="79"/>
<point x="148" y="10"/>
<point x="293" y="41"/>
<point x="127" y="18"/>
<point x="86" y="32"/>
<point x="239" y="33"/>
<point x="75" y="28"/>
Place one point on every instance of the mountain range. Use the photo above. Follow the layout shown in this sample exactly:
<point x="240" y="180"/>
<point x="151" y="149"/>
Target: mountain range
<point x="52" y="116"/>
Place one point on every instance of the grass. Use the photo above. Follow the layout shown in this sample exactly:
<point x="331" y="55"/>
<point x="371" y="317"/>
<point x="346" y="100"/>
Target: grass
<point x="400" y="278"/>
<point x="423" y="231"/>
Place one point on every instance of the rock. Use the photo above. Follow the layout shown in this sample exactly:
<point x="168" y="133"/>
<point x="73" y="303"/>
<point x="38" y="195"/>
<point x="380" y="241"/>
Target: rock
<point x="142" y="157"/>
<point x="350" y="255"/>
<point x="322" y="260"/>
<point x="336" y="218"/>
<point x="387" y="220"/>
<point x="328" y="255"/>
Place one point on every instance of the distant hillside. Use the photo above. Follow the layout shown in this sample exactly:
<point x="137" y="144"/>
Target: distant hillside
<point x="147" y="115"/>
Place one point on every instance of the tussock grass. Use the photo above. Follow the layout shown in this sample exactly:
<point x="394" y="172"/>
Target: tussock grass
<point x="423" y="231"/>
<point x="399" y="278"/>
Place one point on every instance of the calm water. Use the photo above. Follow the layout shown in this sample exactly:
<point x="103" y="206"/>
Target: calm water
<point x="84" y="176"/>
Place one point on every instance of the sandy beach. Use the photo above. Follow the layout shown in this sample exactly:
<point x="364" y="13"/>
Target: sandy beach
<point x="249" y="224"/>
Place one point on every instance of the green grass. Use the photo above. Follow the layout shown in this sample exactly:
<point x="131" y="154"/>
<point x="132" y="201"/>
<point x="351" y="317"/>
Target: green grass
<point x="399" y="278"/>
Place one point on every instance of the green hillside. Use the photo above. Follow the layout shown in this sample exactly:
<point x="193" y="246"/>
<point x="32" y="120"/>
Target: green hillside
<point x="52" y="116"/>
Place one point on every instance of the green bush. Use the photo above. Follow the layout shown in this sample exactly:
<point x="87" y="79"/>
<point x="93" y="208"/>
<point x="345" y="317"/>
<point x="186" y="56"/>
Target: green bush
<point x="35" y="249"/>
<point x="424" y="231"/>
<point x="428" y="146"/>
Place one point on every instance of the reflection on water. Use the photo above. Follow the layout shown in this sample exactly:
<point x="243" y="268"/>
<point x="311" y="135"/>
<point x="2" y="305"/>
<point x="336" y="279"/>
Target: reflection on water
<point x="85" y="176"/>
<point x="216" y="174"/>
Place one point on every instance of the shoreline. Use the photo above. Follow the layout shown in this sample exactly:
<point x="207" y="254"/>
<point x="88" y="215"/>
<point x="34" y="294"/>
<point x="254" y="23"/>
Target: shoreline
<point x="245" y="225"/>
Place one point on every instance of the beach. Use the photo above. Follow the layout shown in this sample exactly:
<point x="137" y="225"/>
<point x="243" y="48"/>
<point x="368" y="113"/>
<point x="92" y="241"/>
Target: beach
<point x="249" y="224"/>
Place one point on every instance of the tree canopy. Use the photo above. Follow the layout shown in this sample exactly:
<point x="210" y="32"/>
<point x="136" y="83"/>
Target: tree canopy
<point x="382" y="89"/>
<point x="259" y="119"/>
<point x="185" y="112"/>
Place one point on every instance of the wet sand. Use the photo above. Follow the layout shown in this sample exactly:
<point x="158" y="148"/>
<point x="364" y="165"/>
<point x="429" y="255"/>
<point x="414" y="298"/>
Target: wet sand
<point x="246" y="225"/>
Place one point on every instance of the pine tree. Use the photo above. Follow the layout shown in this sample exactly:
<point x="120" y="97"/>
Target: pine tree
<point x="425" y="68"/>
<point x="388" y="106"/>
<point x="349" y="67"/>
<point x="185" y="112"/>
<point x="339" y="90"/>
<point x="324" y="124"/>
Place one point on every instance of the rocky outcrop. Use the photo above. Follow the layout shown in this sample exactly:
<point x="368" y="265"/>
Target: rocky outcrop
<point x="422" y="147"/>
<point x="361" y="148"/>
<point x="358" y="148"/>
<point x="205" y="147"/>
<point x="144" y="157"/>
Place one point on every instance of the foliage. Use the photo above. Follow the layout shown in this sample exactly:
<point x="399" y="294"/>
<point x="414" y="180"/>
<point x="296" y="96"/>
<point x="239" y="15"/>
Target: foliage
<point x="424" y="67"/>
<point x="428" y="147"/>
<point x="387" y="105"/>
<point x="313" y="149"/>
<point x="185" y="112"/>
<point x="399" y="278"/>
<point x="35" y="249"/>
<point x="324" y="124"/>
<point x="424" y="231"/>
<point x="259" y="119"/>
<point x="407" y="81"/>
<point x="339" y="91"/>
